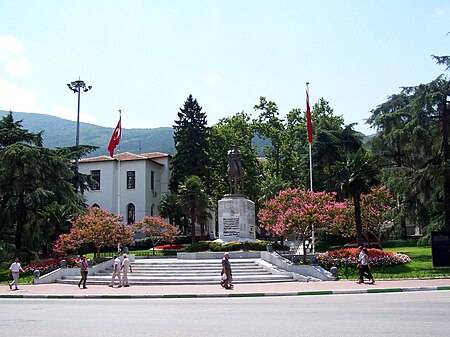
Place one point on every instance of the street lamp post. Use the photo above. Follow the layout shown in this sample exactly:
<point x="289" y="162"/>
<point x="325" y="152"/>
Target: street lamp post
<point x="78" y="87"/>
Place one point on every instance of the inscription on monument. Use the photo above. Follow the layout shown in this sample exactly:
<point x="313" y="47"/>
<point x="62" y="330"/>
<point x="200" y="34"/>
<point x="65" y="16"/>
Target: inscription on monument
<point x="231" y="227"/>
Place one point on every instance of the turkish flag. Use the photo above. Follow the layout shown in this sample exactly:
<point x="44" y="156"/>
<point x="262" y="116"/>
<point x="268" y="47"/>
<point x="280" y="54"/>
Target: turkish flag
<point x="309" y="126"/>
<point x="115" y="138"/>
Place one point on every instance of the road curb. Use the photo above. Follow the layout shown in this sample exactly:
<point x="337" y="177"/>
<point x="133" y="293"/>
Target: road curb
<point x="231" y="294"/>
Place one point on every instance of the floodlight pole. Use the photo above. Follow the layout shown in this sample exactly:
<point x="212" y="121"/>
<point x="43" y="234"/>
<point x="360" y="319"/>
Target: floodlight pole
<point x="77" y="87"/>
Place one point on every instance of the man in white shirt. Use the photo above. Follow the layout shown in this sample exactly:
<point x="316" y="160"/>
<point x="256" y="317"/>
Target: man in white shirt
<point x="116" y="272"/>
<point x="126" y="265"/>
<point x="14" y="269"/>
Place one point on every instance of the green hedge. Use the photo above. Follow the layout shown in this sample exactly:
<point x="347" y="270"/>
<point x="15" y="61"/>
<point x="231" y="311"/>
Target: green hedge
<point x="203" y="246"/>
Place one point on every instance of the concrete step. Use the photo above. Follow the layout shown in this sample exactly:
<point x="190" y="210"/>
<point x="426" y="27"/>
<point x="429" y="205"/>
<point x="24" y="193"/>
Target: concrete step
<point x="173" y="271"/>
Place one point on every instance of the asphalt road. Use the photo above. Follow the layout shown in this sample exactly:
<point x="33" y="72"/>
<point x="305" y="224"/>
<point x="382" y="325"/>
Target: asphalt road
<point x="393" y="314"/>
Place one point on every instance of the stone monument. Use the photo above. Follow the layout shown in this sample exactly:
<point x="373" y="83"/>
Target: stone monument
<point x="236" y="213"/>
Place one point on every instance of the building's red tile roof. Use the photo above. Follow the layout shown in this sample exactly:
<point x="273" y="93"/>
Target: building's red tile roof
<point x="126" y="156"/>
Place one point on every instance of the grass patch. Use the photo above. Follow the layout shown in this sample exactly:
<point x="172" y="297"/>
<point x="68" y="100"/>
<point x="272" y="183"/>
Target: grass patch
<point x="421" y="266"/>
<point x="24" y="278"/>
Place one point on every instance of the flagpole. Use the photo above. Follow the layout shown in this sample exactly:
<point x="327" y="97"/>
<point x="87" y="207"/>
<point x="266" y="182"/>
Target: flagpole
<point x="310" y="159"/>
<point x="118" y="176"/>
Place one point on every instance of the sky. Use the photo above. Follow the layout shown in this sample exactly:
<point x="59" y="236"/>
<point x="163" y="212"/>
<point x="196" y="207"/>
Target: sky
<point x="146" y="57"/>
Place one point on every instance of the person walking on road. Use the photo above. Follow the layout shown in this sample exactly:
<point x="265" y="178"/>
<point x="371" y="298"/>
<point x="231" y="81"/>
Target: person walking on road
<point x="14" y="270"/>
<point x="126" y="265"/>
<point x="363" y="265"/>
<point x="227" y="278"/>
<point x="116" y="272"/>
<point x="84" y="272"/>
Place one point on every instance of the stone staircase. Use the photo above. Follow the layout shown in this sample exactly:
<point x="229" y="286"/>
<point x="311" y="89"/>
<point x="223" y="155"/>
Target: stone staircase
<point x="177" y="272"/>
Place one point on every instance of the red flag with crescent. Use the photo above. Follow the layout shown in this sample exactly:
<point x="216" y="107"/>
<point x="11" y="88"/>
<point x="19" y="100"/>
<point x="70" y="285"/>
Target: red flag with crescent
<point x="115" y="138"/>
<point x="309" y="126"/>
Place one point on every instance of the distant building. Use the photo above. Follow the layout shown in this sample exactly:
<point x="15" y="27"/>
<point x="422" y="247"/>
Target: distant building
<point x="129" y="184"/>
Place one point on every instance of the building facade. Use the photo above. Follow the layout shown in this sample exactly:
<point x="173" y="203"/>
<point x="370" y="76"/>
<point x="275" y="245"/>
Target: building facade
<point x="130" y="185"/>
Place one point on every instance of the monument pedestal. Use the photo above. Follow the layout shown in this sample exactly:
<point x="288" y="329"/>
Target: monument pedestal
<point x="236" y="216"/>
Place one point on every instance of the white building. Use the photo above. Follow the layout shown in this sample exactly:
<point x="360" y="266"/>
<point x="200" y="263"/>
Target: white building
<point x="128" y="184"/>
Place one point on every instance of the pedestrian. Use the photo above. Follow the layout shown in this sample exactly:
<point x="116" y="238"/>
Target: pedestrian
<point x="126" y="265"/>
<point x="84" y="271"/>
<point x="227" y="278"/>
<point x="116" y="272"/>
<point x="363" y="265"/>
<point x="14" y="270"/>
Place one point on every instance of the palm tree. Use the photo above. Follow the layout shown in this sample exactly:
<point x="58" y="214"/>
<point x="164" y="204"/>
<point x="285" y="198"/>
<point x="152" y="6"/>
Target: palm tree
<point x="193" y="200"/>
<point x="354" y="176"/>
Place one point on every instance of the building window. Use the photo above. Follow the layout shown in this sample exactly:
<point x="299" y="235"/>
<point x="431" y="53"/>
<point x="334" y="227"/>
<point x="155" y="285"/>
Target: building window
<point x="95" y="174"/>
<point x="152" y="180"/>
<point x="131" y="180"/>
<point x="152" y="210"/>
<point x="131" y="213"/>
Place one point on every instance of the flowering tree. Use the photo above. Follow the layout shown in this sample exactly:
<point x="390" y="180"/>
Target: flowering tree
<point x="156" y="230"/>
<point x="299" y="211"/>
<point x="375" y="208"/>
<point x="96" y="226"/>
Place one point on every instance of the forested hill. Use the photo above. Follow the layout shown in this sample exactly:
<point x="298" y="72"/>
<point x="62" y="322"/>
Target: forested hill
<point x="58" y="132"/>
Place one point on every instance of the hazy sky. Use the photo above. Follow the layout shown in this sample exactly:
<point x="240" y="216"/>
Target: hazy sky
<point x="146" y="57"/>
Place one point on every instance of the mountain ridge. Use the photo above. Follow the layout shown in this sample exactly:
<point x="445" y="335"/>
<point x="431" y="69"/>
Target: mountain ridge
<point x="59" y="132"/>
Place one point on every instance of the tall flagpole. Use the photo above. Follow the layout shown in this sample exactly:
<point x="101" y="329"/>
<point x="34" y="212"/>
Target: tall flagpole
<point x="118" y="175"/>
<point x="309" y="127"/>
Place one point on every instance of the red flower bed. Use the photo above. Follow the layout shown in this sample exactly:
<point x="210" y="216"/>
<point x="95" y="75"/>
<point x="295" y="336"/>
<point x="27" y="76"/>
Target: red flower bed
<point x="169" y="246"/>
<point x="46" y="266"/>
<point x="349" y="257"/>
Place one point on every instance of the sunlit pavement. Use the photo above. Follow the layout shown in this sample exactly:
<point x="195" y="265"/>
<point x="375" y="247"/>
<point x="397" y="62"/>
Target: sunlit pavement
<point x="55" y="290"/>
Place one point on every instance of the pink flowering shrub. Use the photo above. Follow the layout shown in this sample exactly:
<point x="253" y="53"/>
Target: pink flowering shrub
<point x="300" y="211"/>
<point x="156" y="230"/>
<point x="97" y="227"/>
<point x="349" y="257"/>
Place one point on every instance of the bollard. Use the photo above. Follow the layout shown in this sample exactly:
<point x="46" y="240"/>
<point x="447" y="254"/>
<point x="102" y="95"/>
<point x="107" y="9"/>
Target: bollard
<point x="89" y="262"/>
<point x="334" y="272"/>
<point x="36" y="273"/>
<point x="269" y="247"/>
<point x="63" y="264"/>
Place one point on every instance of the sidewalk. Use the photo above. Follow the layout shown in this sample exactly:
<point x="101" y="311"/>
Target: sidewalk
<point x="56" y="290"/>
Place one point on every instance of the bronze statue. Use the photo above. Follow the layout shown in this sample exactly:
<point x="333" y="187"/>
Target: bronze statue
<point x="235" y="171"/>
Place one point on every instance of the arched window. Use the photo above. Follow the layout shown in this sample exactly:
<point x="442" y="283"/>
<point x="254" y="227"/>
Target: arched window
<point x="131" y="213"/>
<point x="95" y="206"/>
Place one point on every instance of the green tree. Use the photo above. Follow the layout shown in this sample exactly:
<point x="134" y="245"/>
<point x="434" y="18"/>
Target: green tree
<point x="269" y="126"/>
<point x="191" y="144"/>
<point x="354" y="176"/>
<point x="31" y="179"/>
<point x="332" y="141"/>
<point x="412" y="142"/>
<point x="193" y="200"/>
<point x="228" y="131"/>
<point x="11" y="132"/>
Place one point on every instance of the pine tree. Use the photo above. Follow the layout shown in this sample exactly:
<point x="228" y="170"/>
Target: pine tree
<point x="191" y="144"/>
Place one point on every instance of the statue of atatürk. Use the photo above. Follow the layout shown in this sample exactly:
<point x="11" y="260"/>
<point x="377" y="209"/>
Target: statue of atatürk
<point x="235" y="171"/>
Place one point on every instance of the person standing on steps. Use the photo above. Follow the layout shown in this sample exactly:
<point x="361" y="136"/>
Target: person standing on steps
<point x="84" y="272"/>
<point x="116" y="272"/>
<point x="363" y="265"/>
<point x="227" y="280"/>
<point x="14" y="270"/>
<point x="126" y="265"/>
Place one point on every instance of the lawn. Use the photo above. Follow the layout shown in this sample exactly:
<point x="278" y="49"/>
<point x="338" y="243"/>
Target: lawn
<point x="421" y="266"/>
